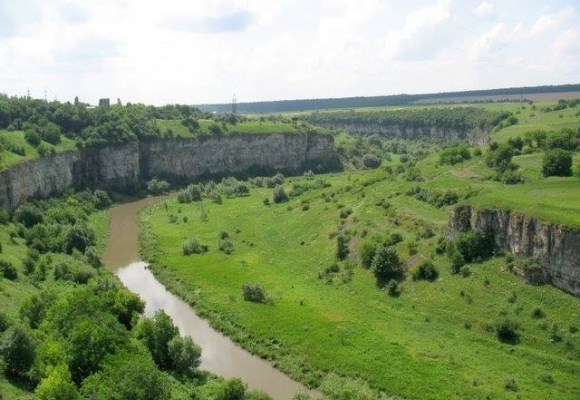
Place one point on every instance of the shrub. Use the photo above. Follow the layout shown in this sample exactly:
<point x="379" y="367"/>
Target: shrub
<point x="371" y="161"/>
<point x="393" y="289"/>
<point x="254" y="292"/>
<point x="454" y="155"/>
<point x="18" y="350"/>
<point x="507" y="331"/>
<point x="499" y="157"/>
<point x="157" y="187"/>
<point x="386" y="264"/>
<point x="28" y="214"/>
<point x="101" y="199"/>
<point x="511" y="385"/>
<point x="425" y="271"/>
<point x="279" y="195"/>
<point x="367" y="251"/>
<point x="226" y="245"/>
<point x="193" y="246"/>
<point x="4" y="322"/>
<point x="557" y="162"/>
<point x="475" y="245"/>
<point x="538" y="313"/>
<point x="342" y="246"/>
<point x="8" y="270"/>
<point x="189" y="194"/>
<point x="32" y="137"/>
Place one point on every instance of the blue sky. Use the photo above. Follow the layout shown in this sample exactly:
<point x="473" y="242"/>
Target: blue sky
<point x="193" y="51"/>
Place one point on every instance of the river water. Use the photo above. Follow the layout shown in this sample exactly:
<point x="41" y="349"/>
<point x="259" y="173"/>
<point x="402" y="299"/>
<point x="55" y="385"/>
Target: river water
<point x="219" y="354"/>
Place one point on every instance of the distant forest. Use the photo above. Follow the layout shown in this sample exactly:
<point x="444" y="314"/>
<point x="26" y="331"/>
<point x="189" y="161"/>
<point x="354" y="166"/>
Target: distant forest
<point x="378" y="101"/>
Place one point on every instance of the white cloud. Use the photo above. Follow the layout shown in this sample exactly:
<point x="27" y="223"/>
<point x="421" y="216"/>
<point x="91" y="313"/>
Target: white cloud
<point x="484" y="9"/>
<point x="568" y="43"/>
<point x="548" y="22"/>
<point x="204" y="51"/>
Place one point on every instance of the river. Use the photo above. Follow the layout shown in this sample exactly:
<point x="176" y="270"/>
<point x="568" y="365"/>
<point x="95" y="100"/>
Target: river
<point x="220" y="355"/>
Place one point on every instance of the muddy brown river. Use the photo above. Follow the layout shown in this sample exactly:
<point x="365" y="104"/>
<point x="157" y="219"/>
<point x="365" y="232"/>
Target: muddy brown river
<point x="219" y="354"/>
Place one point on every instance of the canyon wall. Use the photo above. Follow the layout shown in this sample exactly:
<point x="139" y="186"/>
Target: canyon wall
<point x="555" y="247"/>
<point x="119" y="166"/>
<point x="475" y="137"/>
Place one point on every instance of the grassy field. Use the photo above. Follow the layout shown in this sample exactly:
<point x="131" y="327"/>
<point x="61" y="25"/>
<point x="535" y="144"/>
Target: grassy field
<point x="247" y="127"/>
<point x="436" y="340"/>
<point x="431" y="342"/>
<point x="8" y="158"/>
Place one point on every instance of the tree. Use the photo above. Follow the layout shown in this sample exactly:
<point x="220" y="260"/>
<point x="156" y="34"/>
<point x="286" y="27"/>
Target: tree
<point x="57" y="385"/>
<point x="33" y="309"/>
<point x="233" y="389"/>
<point x="185" y="354"/>
<point x="499" y="157"/>
<point x="156" y="333"/>
<point x="371" y="161"/>
<point x="557" y="162"/>
<point x="18" y="349"/>
<point x="386" y="264"/>
<point x="90" y="341"/>
<point x="127" y="375"/>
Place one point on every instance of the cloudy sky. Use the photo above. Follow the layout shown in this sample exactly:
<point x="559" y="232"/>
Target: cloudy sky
<point x="194" y="51"/>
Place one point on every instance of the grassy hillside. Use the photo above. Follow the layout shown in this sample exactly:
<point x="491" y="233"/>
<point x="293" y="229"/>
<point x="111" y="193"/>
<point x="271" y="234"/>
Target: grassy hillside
<point x="434" y="341"/>
<point x="10" y="140"/>
<point x="437" y="340"/>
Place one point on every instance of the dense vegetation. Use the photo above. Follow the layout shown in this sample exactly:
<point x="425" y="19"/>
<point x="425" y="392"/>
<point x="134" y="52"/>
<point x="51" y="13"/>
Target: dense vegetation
<point x="69" y="330"/>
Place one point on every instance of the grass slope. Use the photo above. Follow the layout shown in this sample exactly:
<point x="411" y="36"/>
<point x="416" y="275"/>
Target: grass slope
<point x="9" y="159"/>
<point x="416" y="346"/>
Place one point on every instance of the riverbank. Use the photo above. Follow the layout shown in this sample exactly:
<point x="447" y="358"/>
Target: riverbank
<point x="219" y="354"/>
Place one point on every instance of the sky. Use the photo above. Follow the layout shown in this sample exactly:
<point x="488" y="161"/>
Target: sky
<point x="205" y="51"/>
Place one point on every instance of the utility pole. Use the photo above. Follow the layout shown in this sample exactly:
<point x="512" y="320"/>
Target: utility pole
<point x="234" y="105"/>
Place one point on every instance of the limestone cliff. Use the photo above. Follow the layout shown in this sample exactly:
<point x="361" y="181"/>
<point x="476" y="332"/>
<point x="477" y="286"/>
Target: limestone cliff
<point x="475" y="137"/>
<point x="557" y="248"/>
<point x="123" y="165"/>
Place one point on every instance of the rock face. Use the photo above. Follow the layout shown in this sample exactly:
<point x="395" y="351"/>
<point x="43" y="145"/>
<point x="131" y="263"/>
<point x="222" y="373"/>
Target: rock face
<point x="475" y="137"/>
<point x="121" y="166"/>
<point x="556" y="248"/>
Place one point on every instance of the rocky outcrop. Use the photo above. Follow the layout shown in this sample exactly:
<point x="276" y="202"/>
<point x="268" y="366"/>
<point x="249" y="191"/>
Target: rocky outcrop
<point x="120" y="166"/>
<point x="475" y="137"/>
<point x="555" y="247"/>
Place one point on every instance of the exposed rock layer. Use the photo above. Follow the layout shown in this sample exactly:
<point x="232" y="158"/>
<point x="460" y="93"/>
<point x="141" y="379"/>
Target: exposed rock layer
<point x="123" y="165"/>
<point x="557" y="248"/>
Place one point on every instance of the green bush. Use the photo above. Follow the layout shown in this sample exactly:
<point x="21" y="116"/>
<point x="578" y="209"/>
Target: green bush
<point x="557" y="162"/>
<point x="342" y="246"/>
<point x="454" y="155"/>
<point x="393" y="288"/>
<point x="226" y="245"/>
<point x="157" y="187"/>
<point x="18" y="349"/>
<point x="189" y="194"/>
<point x="386" y="264"/>
<point x="425" y="271"/>
<point x="507" y="331"/>
<point x="279" y="195"/>
<point x="474" y="245"/>
<point x="254" y="292"/>
<point x="371" y="161"/>
<point x="193" y="246"/>
<point x="32" y="137"/>
<point x="8" y="270"/>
